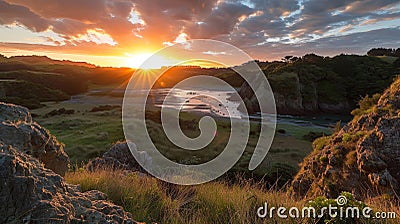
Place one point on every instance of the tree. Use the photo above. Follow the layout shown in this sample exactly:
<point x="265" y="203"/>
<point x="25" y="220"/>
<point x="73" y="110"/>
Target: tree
<point x="384" y="52"/>
<point x="294" y="59"/>
<point x="287" y="58"/>
<point x="313" y="58"/>
<point x="397" y="53"/>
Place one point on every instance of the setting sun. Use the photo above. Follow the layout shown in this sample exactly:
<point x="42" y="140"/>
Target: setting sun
<point x="155" y="61"/>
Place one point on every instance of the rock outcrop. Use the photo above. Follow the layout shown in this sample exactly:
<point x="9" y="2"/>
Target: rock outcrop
<point x="31" y="189"/>
<point x="119" y="157"/>
<point x="362" y="157"/>
<point x="18" y="130"/>
<point x="30" y="193"/>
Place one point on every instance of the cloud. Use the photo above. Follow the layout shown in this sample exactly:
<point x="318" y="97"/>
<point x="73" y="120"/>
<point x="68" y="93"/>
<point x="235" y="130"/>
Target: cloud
<point x="356" y="43"/>
<point x="82" y="10"/>
<point x="73" y="18"/>
<point x="10" y="14"/>
<point x="220" y="20"/>
<point x="215" y="53"/>
<point x="321" y="16"/>
<point x="262" y="27"/>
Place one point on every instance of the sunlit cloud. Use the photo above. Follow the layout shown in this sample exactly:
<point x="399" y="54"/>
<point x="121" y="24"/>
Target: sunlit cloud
<point x="97" y="36"/>
<point x="260" y="27"/>
<point x="181" y="38"/>
<point x="215" y="53"/>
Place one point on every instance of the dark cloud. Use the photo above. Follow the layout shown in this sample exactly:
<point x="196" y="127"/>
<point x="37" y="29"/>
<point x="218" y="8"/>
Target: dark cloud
<point x="220" y="21"/>
<point x="69" y="27"/>
<point x="10" y="14"/>
<point x="83" y="10"/>
<point x="320" y="16"/>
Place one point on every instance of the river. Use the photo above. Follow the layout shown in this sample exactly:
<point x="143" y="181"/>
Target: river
<point x="207" y="101"/>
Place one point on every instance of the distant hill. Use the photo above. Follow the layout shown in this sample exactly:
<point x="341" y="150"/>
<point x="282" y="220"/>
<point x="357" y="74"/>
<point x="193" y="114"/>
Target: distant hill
<point x="41" y="60"/>
<point x="313" y="84"/>
<point x="30" y="80"/>
<point x="302" y="85"/>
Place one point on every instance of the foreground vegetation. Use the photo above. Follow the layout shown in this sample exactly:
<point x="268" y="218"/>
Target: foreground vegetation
<point x="150" y="200"/>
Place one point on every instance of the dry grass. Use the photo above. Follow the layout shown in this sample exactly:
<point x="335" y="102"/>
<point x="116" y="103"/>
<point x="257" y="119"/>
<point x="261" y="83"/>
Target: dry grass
<point x="150" y="200"/>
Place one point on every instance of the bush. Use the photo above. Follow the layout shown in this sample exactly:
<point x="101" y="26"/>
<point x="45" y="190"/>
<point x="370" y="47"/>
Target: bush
<point x="323" y="159"/>
<point x="323" y="202"/>
<point x="351" y="159"/>
<point x="320" y="143"/>
<point x="348" y="137"/>
<point x="366" y="104"/>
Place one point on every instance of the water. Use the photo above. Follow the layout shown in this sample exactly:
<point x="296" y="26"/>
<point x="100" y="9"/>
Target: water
<point x="214" y="102"/>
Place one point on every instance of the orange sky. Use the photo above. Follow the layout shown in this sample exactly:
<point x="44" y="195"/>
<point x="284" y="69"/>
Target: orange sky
<point x="125" y="32"/>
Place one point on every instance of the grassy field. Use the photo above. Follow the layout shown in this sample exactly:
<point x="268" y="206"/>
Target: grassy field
<point x="87" y="135"/>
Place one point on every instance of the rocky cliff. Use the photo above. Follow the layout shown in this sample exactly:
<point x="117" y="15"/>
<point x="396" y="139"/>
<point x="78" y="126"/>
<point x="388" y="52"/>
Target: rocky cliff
<point x="30" y="191"/>
<point x="362" y="157"/>
<point x="293" y="97"/>
<point x="315" y="84"/>
<point x="17" y="129"/>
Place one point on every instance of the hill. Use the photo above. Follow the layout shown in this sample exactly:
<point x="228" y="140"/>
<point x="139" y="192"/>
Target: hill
<point x="314" y="84"/>
<point x="308" y="85"/>
<point x="362" y="157"/>
<point x="30" y="80"/>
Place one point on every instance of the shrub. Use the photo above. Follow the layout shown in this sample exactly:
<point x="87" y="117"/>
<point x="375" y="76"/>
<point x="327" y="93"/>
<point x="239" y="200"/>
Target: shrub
<point x="320" y="143"/>
<point x="323" y="202"/>
<point x="323" y="159"/>
<point x="346" y="137"/>
<point x="366" y="104"/>
<point x="351" y="159"/>
<point x="349" y="137"/>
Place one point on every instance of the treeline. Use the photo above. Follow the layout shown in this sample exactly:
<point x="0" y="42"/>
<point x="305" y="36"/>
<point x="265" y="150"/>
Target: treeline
<point x="384" y="52"/>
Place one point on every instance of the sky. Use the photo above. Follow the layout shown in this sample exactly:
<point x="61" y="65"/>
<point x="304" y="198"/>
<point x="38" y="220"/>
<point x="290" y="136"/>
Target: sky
<point x="126" y="32"/>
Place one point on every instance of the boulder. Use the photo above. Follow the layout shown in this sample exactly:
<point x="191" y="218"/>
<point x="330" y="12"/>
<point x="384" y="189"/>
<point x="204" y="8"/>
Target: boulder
<point x="34" y="194"/>
<point x="18" y="130"/>
<point x="119" y="157"/>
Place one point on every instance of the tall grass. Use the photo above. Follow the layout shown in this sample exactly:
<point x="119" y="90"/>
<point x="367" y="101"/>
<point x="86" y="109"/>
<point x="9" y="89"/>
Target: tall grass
<point x="150" y="200"/>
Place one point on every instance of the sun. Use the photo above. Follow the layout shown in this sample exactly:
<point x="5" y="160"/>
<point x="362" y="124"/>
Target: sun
<point x="135" y="60"/>
<point x="149" y="61"/>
